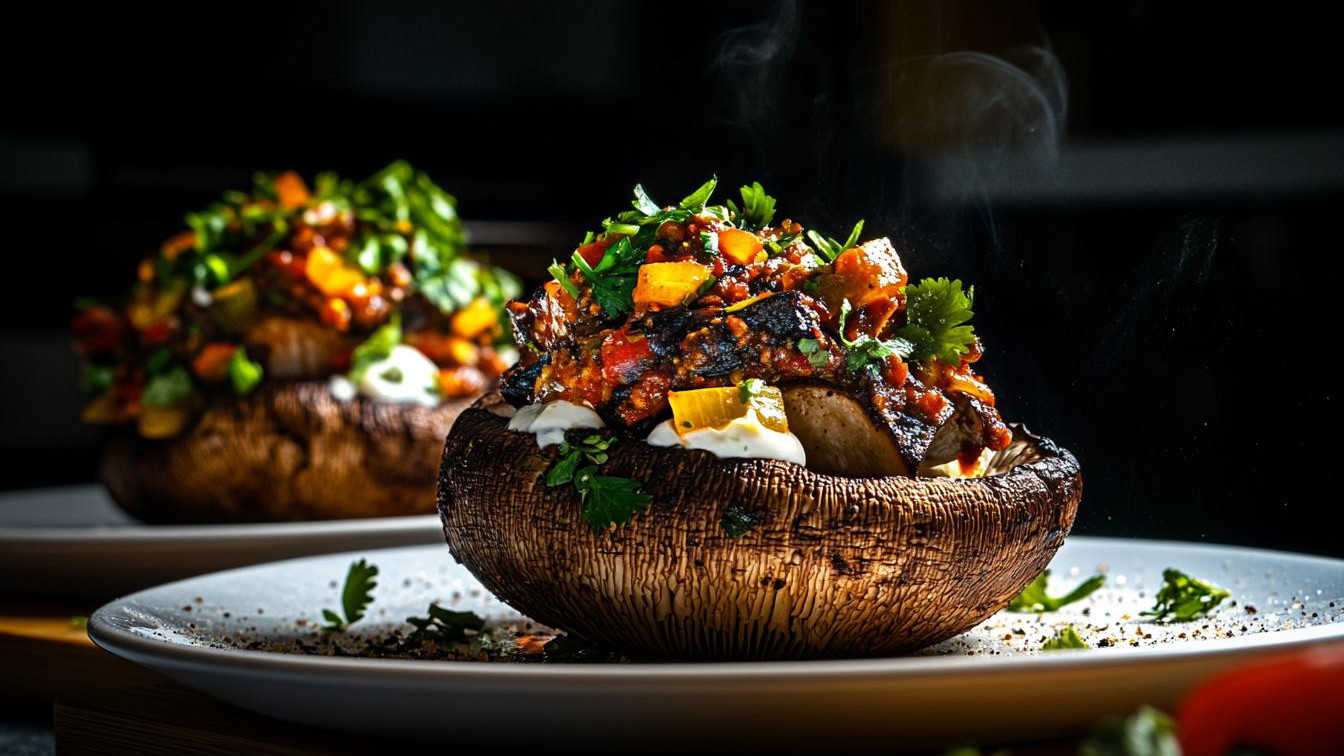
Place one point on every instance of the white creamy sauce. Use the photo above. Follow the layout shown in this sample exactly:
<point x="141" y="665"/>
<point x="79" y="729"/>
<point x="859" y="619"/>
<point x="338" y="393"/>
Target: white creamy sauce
<point x="550" y="421"/>
<point x="743" y="437"/>
<point x="341" y="388"/>
<point x="405" y="375"/>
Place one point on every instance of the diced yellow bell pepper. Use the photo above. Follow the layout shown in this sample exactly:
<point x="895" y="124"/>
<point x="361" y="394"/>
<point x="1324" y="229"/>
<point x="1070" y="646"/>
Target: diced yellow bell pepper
<point x="669" y="284"/>
<point x="162" y="422"/>
<point x="716" y="407"/>
<point x="470" y="321"/>
<point x="330" y="274"/>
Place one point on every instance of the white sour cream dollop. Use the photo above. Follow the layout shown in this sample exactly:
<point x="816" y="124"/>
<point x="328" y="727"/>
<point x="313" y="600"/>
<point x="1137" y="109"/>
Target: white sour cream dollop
<point x="549" y="421"/>
<point x="742" y="437"/>
<point x="404" y="375"/>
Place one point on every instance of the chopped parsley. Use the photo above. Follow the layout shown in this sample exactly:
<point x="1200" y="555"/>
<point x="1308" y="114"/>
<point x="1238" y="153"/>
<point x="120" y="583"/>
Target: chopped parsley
<point x="377" y="347"/>
<point x="758" y="208"/>
<point x="696" y="200"/>
<point x="561" y="276"/>
<point x="749" y="388"/>
<point x="709" y="240"/>
<point x="737" y="522"/>
<point x="867" y="353"/>
<point x="243" y="373"/>
<point x="443" y="626"/>
<point x="1067" y="638"/>
<point x="830" y="248"/>
<point x="613" y="278"/>
<point x="356" y="595"/>
<point x="1033" y="598"/>
<point x="936" y="313"/>
<point x="168" y="388"/>
<point x="1183" y="598"/>
<point x="607" y="499"/>
<point x="816" y="356"/>
<point x="1146" y="732"/>
<point x="97" y="379"/>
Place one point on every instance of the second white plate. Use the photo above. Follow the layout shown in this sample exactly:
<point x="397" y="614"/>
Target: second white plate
<point x="74" y="543"/>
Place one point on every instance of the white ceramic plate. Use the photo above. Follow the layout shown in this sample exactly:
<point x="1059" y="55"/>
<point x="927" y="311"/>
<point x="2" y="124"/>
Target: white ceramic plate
<point x="987" y="684"/>
<point x="74" y="543"/>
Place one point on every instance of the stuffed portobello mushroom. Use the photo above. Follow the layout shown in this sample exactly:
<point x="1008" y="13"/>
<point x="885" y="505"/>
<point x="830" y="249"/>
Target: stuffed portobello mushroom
<point x="298" y="353"/>
<point x="728" y="437"/>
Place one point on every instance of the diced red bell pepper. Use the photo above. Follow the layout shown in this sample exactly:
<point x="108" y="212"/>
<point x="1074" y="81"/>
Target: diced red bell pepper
<point x="623" y="355"/>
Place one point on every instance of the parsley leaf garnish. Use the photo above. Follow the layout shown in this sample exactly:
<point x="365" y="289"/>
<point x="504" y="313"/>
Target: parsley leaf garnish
<point x="816" y="356"/>
<point x="643" y="204"/>
<point x="1033" y="598"/>
<point x="1183" y="598"/>
<point x="709" y="241"/>
<point x="606" y="499"/>
<point x="1065" y="639"/>
<point x="737" y="522"/>
<point x="936" y="312"/>
<point x="758" y="208"/>
<point x="613" y="278"/>
<point x="867" y="353"/>
<point x="168" y="388"/>
<point x="830" y="248"/>
<point x="1147" y="732"/>
<point x="695" y="201"/>
<point x="443" y="626"/>
<point x="243" y="373"/>
<point x="377" y="347"/>
<point x="356" y="595"/>
<point x="562" y="277"/>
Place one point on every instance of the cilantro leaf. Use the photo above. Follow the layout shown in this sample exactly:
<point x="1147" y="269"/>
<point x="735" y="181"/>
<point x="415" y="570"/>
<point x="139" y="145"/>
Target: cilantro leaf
<point x="1065" y="639"/>
<point x="168" y="388"/>
<point x="1033" y="598"/>
<point x="816" y="356"/>
<point x="356" y="595"/>
<point x="1147" y="732"/>
<point x="561" y="276"/>
<point x="1183" y="598"/>
<point x="608" y="499"/>
<point x="377" y="347"/>
<point x="709" y="241"/>
<point x="758" y="208"/>
<point x="244" y="374"/>
<point x="562" y="471"/>
<point x="936" y="314"/>
<point x="737" y="522"/>
<point x="696" y="200"/>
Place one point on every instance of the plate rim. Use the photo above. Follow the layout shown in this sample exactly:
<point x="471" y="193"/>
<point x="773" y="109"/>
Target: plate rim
<point x="142" y="533"/>
<point x="103" y="632"/>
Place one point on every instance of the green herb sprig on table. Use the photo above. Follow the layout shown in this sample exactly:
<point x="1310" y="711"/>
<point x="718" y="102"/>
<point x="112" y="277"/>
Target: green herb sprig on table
<point x="1183" y="598"/>
<point x="1146" y="732"/>
<point x="444" y="626"/>
<point x="356" y="595"/>
<point x="1033" y="598"/>
<point x="607" y="499"/>
<point x="1066" y="638"/>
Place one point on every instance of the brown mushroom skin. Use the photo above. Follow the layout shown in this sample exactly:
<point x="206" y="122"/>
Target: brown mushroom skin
<point x="833" y="567"/>
<point x="288" y="451"/>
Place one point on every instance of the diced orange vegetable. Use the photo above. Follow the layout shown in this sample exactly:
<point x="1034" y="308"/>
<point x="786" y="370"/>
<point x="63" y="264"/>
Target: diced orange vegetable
<point x="162" y="422"/>
<point x="742" y="247"/>
<point x="212" y="363"/>
<point x="330" y="274"/>
<point x="291" y="190"/>
<point x="716" y="407"/>
<point x="669" y="284"/>
<point x="474" y="319"/>
<point x="870" y="272"/>
<point x="177" y="244"/>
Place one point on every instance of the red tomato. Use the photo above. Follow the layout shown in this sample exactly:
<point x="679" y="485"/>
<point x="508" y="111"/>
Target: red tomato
<point x="1285" y="705"/>
<point x="622" y="356"/>
<point x="592" y="253"/>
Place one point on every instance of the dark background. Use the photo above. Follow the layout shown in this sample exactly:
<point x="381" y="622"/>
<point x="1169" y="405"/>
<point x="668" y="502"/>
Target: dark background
<point x="1146" y="196"/>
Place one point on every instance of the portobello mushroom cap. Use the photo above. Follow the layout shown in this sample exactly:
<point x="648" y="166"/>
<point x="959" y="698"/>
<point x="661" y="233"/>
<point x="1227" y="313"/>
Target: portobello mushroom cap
<point x="288" y="451"/>
<point x="833" y="566"/>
